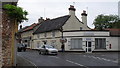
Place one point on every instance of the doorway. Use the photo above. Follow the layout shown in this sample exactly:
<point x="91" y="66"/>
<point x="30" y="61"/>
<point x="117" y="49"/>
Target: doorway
<point x="88" y="47"/>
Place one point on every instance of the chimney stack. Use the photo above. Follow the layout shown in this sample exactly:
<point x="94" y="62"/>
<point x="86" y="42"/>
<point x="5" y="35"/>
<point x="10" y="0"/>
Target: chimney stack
<point x="72" y="10"/>
<point x="47" y="18"/>
<point x="84" y="17"/>
<point x="40" y="20"/>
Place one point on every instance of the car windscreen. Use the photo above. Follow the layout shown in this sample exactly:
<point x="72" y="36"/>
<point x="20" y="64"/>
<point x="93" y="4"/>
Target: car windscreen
<point x="49" y="46"/>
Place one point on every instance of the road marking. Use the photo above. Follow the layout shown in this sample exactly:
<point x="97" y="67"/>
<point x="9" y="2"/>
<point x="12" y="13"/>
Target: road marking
<point x="101" y="58"/>
<point x="74" y="63"/>
<point x="94" y="57"/>
<point x="54" y="56"/>
<point x="115" y="61"/>
<point x="84" y="55"/>
<point x="28" y="61"/>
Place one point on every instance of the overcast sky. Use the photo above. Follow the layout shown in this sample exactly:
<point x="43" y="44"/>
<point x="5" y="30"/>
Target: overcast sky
<point x="56" y="8"/>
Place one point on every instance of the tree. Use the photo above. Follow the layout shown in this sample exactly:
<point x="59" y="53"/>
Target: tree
<point x="15" y="13"/>
<point x="106" y="21"/>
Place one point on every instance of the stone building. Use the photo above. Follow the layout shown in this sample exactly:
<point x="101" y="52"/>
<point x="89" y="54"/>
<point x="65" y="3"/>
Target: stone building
<point x="51" y="31"/>
<point x="75" y="34"/>
<point x="72" y="32"/>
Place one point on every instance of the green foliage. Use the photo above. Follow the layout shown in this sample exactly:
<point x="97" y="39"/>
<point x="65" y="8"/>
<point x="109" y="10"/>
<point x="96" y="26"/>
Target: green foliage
<point x="106" y="21"/>
<point x="16" y="13"/>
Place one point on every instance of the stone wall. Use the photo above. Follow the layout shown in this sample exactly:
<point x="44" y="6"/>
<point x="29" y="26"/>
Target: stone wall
<point x="6" y="40"/>
<point x="0" y="34"/>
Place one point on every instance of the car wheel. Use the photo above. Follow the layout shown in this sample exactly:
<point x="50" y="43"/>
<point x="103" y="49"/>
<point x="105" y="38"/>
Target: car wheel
<point x="42" y="53"/>
<point x="46" y="53"/>
<point x="39" y="52"/>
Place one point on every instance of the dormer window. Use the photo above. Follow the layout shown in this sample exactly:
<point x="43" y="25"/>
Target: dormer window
<point x="80" y="28"/>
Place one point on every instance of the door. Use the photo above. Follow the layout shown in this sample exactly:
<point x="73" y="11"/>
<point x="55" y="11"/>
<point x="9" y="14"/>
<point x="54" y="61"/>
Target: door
<point x="88" y="46"/>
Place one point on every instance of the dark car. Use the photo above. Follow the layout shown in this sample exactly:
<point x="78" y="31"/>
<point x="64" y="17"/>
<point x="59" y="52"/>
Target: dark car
<point x="48" y="49"/>
<point x="21" y="47"/>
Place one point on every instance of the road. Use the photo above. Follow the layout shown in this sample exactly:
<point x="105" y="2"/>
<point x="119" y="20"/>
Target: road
<point x="86" y="60"/>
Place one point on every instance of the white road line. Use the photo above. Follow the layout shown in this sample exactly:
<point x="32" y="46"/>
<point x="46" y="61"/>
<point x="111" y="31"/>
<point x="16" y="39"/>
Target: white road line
<point x="115" y="61"/>
<point x="54" y="56"/>
<point x="29" y="61"/>
<point x="74" y="63"/>
<point x="84" y="55"/>
<point x="101" y="58"/>
<point x="94" y="57"/>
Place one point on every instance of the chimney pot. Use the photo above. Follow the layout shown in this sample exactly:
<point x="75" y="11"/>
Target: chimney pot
<point x="47" y="18"/>
<point x="84" y="13"/>
<point x="40" y="20"/>
<point x="72" y="8"/>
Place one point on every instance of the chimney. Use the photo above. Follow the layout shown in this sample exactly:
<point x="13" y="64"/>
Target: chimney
<point x="84" y="17"/>
<point x="40" y="20"/>
<point x="72" y="10"/>
<point x="20" y="26"/>
<point x="47" y="18"/>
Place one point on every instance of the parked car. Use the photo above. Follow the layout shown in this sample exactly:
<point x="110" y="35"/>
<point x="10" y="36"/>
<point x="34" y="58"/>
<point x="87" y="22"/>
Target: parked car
<point x="21" y="47"/>
<point x="48" y="49"/>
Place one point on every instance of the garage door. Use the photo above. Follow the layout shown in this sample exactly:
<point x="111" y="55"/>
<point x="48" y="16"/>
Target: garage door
<point x="76" y="43"/>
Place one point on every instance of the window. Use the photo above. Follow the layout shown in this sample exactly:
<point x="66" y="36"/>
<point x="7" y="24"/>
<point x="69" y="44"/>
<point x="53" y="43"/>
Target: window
<point x="45" y="34"/>
<point x="80" y="28"/>
<point x="38" y="44"/>
<point x="53" y="33"/>
<point x="38" y="36"/>
<point x="100" y="43"/>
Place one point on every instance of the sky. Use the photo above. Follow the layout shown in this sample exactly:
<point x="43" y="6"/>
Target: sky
<point x="56" y="8"/>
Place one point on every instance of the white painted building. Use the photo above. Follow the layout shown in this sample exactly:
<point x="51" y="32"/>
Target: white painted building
<point x="78" y="35"/>
<point x="89" y="41"/>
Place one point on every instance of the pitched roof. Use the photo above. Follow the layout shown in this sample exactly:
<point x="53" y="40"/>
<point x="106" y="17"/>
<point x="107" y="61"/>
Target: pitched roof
<point x="21" y="30"/>
<point x="53" y="24"/>
<point x="30" y="27"/>
<point x="27" y="28"/>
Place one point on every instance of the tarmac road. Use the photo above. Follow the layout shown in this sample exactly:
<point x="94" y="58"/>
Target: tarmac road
<point x="85" y="60"/>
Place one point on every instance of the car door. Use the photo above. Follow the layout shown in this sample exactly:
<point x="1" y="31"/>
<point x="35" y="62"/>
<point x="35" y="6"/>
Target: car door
<point x="43" y="48"/>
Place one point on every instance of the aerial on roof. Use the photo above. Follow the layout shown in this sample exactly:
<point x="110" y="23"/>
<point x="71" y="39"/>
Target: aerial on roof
<point x="53" y="24"/>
